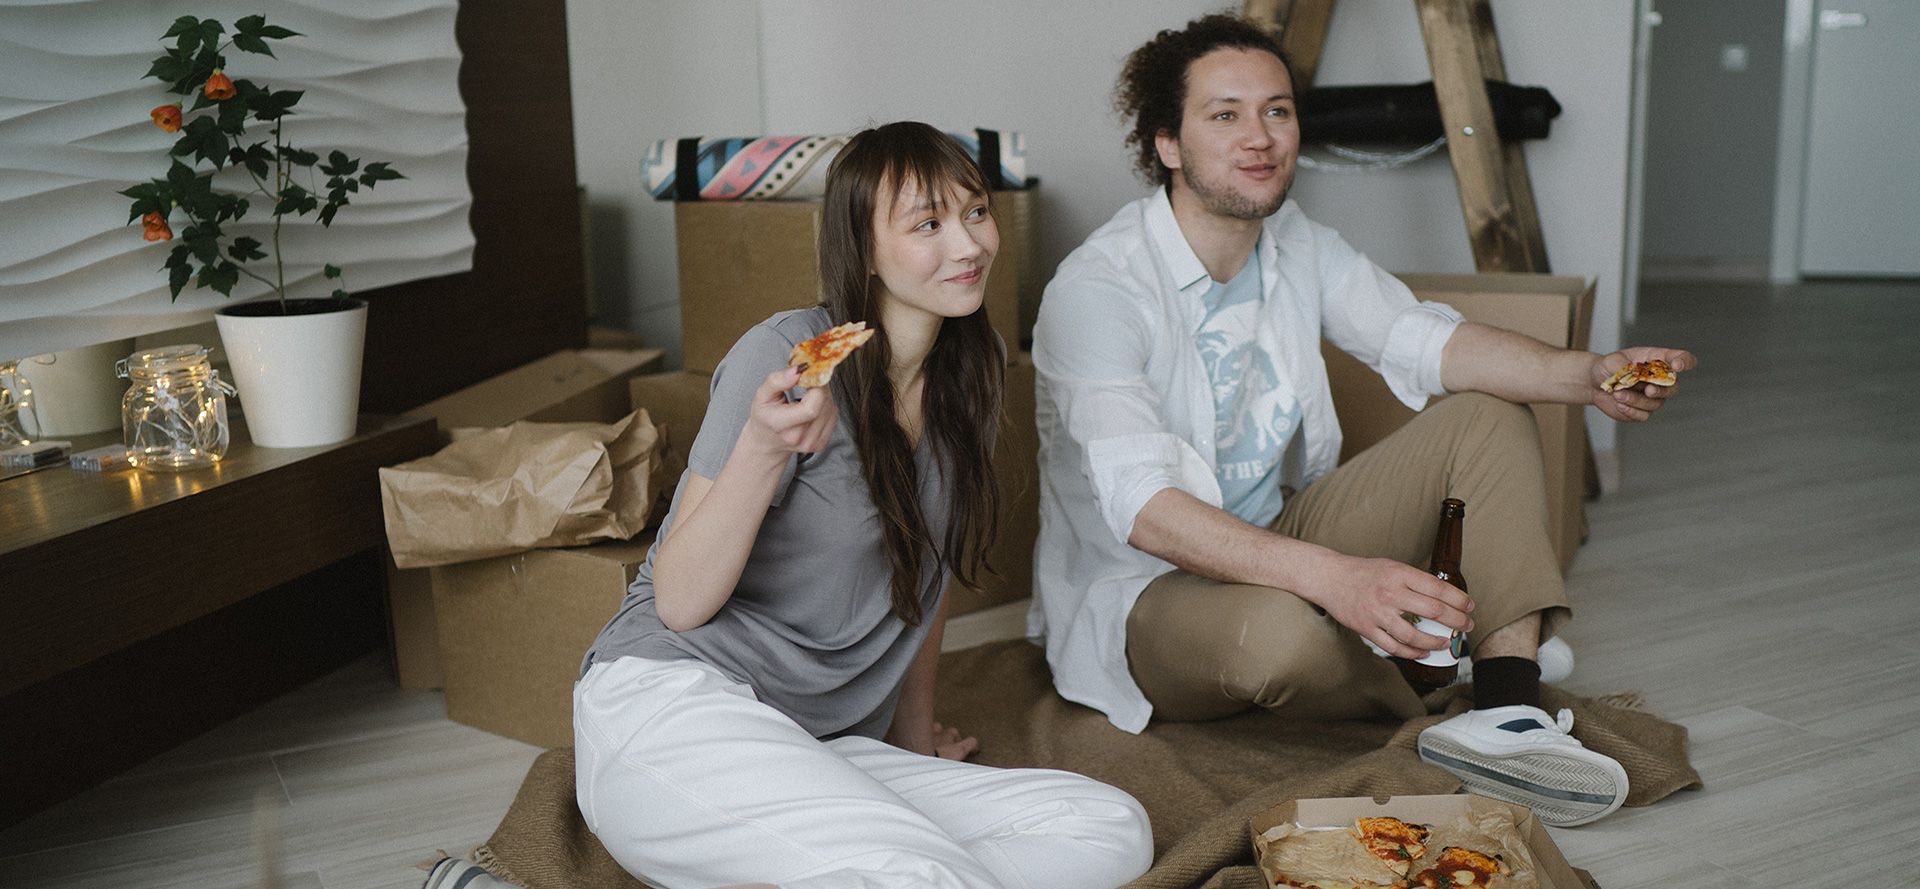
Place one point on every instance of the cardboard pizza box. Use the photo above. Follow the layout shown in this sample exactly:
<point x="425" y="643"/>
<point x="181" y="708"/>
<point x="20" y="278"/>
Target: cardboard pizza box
<point x="742" y="261"/>
<point x="1556" y="310"/>
<point x="678" y="401"/>
<point x="1555" y="872"/>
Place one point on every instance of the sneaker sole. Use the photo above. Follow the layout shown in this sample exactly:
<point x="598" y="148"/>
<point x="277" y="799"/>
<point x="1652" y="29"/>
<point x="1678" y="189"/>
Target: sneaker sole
<point x="1562" y="790"/>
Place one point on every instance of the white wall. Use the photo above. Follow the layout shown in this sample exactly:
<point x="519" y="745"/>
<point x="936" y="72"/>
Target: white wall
<point x="657" y="69"/>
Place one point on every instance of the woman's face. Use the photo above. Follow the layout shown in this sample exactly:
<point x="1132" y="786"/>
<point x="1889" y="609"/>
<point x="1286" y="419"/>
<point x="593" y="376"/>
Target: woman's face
<point x="934" y="259"/>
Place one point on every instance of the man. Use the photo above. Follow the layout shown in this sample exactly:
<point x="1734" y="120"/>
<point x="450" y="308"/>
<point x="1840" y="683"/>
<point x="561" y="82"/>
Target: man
<point x="1199" y="552"/>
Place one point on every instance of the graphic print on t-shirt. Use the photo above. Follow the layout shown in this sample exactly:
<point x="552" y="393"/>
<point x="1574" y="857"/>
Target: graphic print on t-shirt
<point x="1254" y="416"/>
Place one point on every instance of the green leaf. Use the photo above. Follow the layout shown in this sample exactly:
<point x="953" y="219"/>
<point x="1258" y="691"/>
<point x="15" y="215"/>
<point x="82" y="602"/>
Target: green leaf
<point x="203" y="138"/>
<point x="180" y="177"/>
<point x="233" y="118"/>
<point x="220" y="276"/>
<point x="339" y="164"/>
<point x="298" y="157"/>
<point x="326" y="212"/>
<point x="168" y="69"/>
<point x="251" y="43"/>
<point x="148" y="197"/>
<point x="178" y="272"/>
<point x="275" y="32"/>
<point x="330" y="270"/>
<point x="245" y="249"/>
<point x="181" y="25"/>
<point x="270" y="105"/>
<point x="210" y="32"/>
<point x="250" y="24"/>
<point x="341" y="294"/>
<point x="379" y="171"/>
<point x="257" y="159"/>
<point x="296" y="200"/>
<point x="204" y="240"/>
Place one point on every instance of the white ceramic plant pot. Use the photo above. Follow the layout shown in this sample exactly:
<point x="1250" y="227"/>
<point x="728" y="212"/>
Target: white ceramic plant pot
<point x="298" y="374"/>
<point x="75" y="391"/>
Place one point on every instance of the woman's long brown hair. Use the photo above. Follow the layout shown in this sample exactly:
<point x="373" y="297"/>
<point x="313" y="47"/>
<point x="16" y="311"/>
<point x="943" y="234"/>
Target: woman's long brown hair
<point x="963" y="375"/>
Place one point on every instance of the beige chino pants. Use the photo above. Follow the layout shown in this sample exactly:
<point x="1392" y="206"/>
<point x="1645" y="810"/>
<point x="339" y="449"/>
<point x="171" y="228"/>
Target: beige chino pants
<point x="1202" y="649"/>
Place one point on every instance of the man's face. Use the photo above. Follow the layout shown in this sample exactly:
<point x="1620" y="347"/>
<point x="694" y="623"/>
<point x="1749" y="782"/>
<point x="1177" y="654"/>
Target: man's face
<point x="1238" y="135"/>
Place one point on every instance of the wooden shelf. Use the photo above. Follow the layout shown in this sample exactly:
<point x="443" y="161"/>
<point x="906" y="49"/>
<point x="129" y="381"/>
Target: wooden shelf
<point x="144" y="608"/>
<point x="94" y="562"/>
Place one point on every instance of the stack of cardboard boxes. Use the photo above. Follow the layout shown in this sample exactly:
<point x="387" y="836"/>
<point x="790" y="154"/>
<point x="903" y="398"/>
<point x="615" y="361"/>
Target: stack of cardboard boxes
<point x="512" y="630"/>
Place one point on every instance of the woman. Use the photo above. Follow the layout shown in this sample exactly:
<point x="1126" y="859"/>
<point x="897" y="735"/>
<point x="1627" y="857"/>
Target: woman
<point x="729" y="723"/>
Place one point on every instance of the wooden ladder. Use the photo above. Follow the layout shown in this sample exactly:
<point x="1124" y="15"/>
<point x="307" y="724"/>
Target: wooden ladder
<point x="1496" y="195"/>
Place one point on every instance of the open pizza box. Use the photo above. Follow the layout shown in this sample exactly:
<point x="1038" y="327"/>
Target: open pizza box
<point x="1549" y="863"/>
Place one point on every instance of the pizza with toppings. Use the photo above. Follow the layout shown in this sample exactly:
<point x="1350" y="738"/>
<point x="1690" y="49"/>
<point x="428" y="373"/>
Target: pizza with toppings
<point x="817" y="357"/>
<point x="1460" y="868"/>
<point x="1393" y="841"/>
<point x="1656" y="371"/>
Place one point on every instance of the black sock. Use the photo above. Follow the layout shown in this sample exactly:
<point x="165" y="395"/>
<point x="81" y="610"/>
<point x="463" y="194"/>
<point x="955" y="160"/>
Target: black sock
<point x="1505" y="681"/>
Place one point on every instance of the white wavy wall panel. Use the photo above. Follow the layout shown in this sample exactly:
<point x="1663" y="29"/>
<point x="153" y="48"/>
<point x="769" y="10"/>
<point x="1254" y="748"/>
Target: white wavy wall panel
<point x="381" y="82"/>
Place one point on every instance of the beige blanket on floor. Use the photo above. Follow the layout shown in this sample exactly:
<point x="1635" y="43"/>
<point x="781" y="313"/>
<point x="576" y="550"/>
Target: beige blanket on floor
<point x="1200" y="782"/>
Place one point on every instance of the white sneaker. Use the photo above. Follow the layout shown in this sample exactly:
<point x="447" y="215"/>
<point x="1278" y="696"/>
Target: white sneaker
<point x="1521" y="755"/>
<point x="1555" y="659"/>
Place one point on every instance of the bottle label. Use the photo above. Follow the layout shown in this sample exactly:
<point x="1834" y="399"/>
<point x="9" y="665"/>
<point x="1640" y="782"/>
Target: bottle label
<point x="1447" y="655"/>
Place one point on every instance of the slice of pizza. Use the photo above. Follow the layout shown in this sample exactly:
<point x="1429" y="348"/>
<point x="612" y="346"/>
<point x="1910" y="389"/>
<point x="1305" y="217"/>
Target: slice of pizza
<point x="1655" y="371"/>
<point x="817" y="357"/>
<point x="1393" y="841"/>
<point x="1459" y="867"/>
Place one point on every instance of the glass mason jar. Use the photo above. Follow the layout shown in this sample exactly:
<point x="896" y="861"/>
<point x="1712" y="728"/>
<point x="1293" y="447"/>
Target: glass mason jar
<point x="18" y="423"/>
<point x="175" y="412"/>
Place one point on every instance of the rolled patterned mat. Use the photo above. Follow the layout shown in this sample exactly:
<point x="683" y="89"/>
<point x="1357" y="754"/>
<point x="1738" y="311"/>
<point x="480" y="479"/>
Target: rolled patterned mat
<point x="767" y="168"/>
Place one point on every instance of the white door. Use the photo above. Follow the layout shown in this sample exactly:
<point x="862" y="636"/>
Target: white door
<point x="1862" y="207"/>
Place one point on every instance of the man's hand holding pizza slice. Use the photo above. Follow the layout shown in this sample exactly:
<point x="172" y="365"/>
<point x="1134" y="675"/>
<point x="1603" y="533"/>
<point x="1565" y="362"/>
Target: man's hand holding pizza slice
<point x="1632" y="383"/>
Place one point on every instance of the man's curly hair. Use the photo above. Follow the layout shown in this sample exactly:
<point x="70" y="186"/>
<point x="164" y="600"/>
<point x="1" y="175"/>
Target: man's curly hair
<point x="1153" y="83"/>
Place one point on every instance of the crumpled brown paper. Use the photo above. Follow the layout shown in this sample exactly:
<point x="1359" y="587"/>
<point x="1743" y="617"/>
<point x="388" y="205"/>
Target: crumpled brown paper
<point x="529" y="485"/>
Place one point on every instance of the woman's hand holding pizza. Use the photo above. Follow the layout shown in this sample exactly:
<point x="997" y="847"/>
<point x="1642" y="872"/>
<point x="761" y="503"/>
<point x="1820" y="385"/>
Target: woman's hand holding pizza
<point x="778" y="427"/>
<point x="1632" y="383"/>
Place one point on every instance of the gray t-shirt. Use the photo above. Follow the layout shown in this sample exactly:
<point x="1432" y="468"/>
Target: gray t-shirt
<point x="810" y="627"/>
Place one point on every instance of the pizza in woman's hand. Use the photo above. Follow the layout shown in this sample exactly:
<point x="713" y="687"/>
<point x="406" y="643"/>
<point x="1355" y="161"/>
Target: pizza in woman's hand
<point x="817" y="357"/>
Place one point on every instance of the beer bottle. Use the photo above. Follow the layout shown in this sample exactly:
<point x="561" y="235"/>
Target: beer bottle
<point x="1441" y="665"/>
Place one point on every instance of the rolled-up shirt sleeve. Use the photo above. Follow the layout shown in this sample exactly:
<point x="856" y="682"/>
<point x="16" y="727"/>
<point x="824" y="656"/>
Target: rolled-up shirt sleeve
<point x="1372" y="316"/>
<point x="1091" y="348"/>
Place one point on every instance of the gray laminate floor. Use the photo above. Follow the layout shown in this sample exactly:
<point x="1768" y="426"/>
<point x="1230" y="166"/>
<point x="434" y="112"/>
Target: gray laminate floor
<point x="1754" y="577"/>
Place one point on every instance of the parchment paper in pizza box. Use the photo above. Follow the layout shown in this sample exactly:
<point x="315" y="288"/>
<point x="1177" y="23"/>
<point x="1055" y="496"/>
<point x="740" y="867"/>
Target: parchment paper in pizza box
<point x="521" y="487"/>
<point x="1445" y="814"/>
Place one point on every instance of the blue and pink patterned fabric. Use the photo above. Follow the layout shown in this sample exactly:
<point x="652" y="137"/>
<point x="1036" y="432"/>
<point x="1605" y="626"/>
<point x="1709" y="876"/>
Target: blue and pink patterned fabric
<point x="766" y="168"/>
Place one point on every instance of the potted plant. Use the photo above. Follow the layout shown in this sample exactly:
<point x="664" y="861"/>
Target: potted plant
<point x="296" y="361"/>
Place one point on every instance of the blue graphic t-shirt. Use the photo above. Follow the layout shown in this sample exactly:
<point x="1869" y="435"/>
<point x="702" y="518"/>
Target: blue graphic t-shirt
<point x="1254" y="417"/>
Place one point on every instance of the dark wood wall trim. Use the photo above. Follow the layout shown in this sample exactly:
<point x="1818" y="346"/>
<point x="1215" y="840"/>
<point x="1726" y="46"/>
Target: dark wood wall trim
<point x="525" y="296"/>
<point x="70" y="732"/>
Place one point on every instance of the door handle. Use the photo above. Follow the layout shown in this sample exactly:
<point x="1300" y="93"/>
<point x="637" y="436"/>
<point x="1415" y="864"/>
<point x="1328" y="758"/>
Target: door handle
<point x="1834" y="20"/>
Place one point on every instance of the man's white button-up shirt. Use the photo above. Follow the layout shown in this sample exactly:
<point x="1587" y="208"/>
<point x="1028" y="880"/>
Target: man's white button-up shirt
<point x="1125" y="407"/>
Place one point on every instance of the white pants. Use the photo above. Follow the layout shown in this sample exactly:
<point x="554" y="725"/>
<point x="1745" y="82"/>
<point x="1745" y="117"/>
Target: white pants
<point x="690" y="781"/>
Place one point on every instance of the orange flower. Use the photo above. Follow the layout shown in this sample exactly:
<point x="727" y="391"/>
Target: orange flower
<point x="219" y="86"/>
<point x="167" y="117"/>
<point x="157" y="228"/>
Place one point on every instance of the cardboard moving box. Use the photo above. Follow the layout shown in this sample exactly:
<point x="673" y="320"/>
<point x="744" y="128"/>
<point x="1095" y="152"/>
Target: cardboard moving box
<point x="569" y="386"/>
<point x="742" y="261"/>
<point x="1555" y="310"/>
<point x="512" y="631"/>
